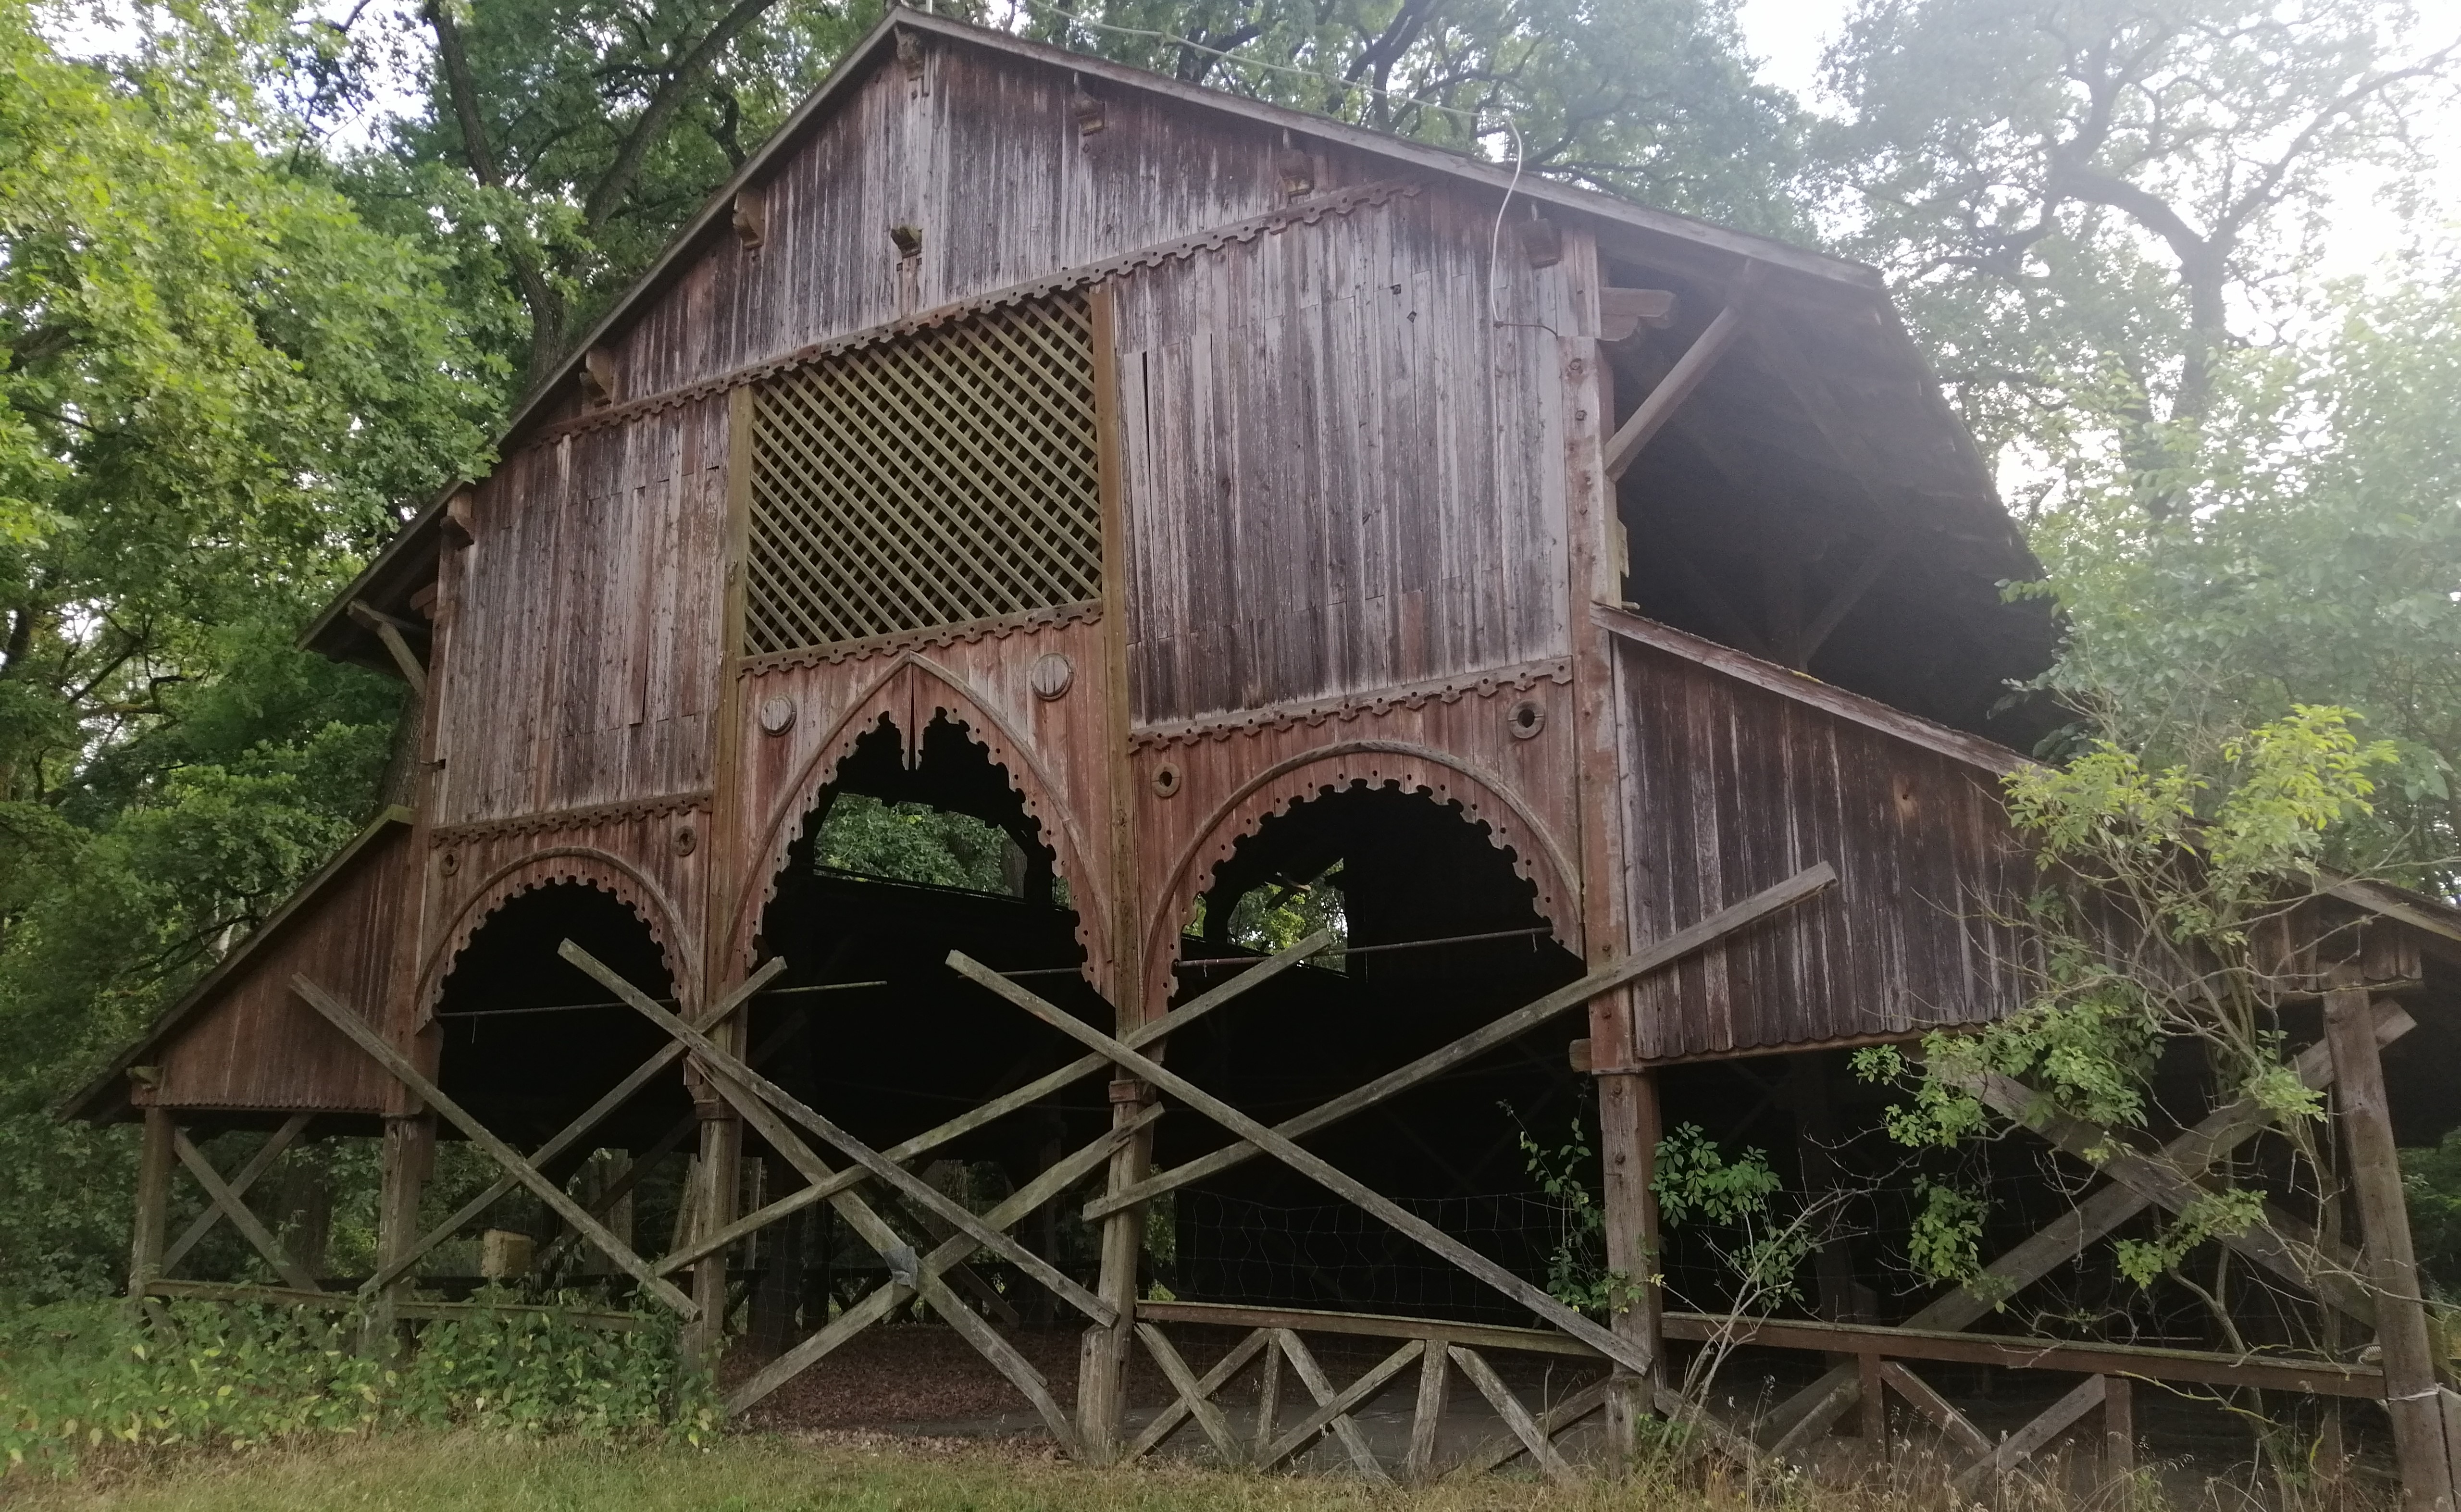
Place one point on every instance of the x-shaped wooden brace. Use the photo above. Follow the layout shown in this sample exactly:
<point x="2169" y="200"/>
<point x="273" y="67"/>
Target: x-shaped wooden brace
<point x="236" y="1190"/>
<point x="340" y="1015"/>
<point x="2167" y="1179"/>
<point x="766" y="1107"/>
<point x="924" y="1277"/>
<point x="1478" y="1042"/>
<point x="228" y="1199"/>
<point x="570" y="1134"/>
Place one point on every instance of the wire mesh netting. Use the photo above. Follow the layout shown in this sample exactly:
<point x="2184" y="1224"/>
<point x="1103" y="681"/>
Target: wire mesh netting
<point x="1338" y="1256"/>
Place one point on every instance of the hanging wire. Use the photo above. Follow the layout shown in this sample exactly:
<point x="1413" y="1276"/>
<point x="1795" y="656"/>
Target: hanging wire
<point x="1532" y="935"/>
<point x="663" y="1002"/>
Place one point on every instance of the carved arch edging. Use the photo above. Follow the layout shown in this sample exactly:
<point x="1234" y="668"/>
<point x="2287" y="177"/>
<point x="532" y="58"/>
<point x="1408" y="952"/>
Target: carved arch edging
<point x="591" y="867"/>
<point x="1482" y="797"/>
<point x="905" y="696"/>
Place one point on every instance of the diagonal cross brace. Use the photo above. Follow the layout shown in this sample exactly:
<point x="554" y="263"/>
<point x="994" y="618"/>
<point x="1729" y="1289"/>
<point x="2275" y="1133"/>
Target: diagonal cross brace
<point x="570" y="1134"/>
<point x="922" y="1192"/>
<point x="360" y="1034"/>
<point x="2190" y="1155"/>
<point x="1479" y="1041"/>
<point x="1001" y="1106"/>
<point x="870" y="1309"/>
<point x="1313" y="1167"/>
<point x="242" y="1217"/>
<point x="240" y="1181"/>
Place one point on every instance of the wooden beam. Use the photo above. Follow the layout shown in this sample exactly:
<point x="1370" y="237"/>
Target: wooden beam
<point x="241" y="1216"/>
<point x="1026" y="1200"/>
<point x="1006" y="1103"/>
<point x="2409" y="1364"/>
<point x="257" y="1166"/>
<point x="1333" y="1408"/>
<point x="1368" y="1325"/>
<point x="350" y="1023"/>
<point x="568" y="1136"/>
<point x="1193" y="1394"/>
<point x="2306" y="1376"/>
<point x="2280" y="1243"/>
<point x="1842" y="602"/>
<point x="2018" y="1446"/>
<point x="757" y="1088"/>
<point x="1919" y="1393"/>
<point x="1478" y="1042"/>
<point x="1689" y="370"/>
<point x="2106" y="1208"/>
<point x="1258" y="1341"/>
<point x="1533" y="1438"/>
<point x="1309" y="1165"/>
<point x="1269" y="1393"/>
<point x="1427" y="1413"/>
<point x="388" y="629"/>
<point x="1553" y="1420"/>
<point x="154" y="1159"/>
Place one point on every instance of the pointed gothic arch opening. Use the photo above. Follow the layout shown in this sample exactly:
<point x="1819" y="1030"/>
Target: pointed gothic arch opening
<point x="914" y="848"/>
<point x="1440" y="934"/>
<point x="527" y="1042"/>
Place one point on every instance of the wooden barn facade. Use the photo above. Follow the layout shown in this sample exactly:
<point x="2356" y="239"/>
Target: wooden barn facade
<point x="1215" y="503"/>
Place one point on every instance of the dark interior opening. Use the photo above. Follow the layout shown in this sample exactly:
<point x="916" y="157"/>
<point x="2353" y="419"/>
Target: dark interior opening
<point x="1440" y="935"/>
<point x="1766" y="517"/>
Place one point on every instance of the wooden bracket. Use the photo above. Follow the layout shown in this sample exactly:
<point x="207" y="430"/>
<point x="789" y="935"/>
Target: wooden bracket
<point x="599" y="388"/>
<point x="389" y="630"/>
<point x="1623" y="311"/>
<point x="460" y="523"/>
<point x="1688" y="375"/>
<point x="1542" y="241"/>
<point x="751" y="217"/>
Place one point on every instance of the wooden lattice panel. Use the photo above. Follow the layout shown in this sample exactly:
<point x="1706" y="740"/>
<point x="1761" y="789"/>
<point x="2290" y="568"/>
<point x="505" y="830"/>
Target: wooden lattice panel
<point x="945" y="477"/>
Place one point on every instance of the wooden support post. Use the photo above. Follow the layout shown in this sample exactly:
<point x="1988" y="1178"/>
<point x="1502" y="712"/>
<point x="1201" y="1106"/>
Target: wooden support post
<point x="2383" y="1226"/>
<point x="1427" y="1417"/>
<point x="154" y="1157"/>
<point x="1876" y="1405"/>
<point x="403" y="1165"/>
<point x="719" y="1168"/>
<point x="1628" y="1133"/>
<point x="2118" y="1433"/>
<point x="1269" y="1397"/>
<point x="1102" y="1373"/>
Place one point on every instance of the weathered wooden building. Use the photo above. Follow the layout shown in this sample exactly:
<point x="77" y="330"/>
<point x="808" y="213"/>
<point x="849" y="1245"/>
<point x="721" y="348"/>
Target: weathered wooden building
<point x="1205" y="497"/>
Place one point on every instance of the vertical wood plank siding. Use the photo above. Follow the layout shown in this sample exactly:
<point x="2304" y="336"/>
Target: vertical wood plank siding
<point x="586" y="656"/>
<point x="252" y="1045"/>
<point x="986" y="160"/>
<point x="1342" y="474"/>
<point x="1729" y="788"/>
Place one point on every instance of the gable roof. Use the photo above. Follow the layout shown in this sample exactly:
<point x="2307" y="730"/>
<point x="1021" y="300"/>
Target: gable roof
<point x="407" y="560"/>
<point x="107" y="1094"/>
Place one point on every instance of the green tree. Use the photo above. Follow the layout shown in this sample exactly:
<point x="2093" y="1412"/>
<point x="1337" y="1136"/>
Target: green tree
<point x="2318" y="560"/>
<point x="2088" y="203"/>
<point x="218" y="384"/>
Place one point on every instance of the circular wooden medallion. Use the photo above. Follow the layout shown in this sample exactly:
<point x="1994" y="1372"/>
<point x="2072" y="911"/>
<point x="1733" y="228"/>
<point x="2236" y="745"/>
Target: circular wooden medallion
<point x="777" y="714"/>
<point x="1051" y="675"/>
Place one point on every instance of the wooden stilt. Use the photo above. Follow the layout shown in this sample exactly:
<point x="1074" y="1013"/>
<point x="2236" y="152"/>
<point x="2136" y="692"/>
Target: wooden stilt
<point x="1427" y="1418"/>
<point x="2383" y="1226"/>
<point x="719" y="1168"/>
<point x="1103" y="1370"/>
<point x="408" y="1154"/>
<point x="154" y="1157"/>
<point x="1628" y="1133"/>
<point x="2118" y="1433"/>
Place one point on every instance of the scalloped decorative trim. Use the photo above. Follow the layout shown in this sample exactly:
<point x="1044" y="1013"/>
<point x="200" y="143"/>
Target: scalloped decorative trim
<point x="552" y="821"/>
<point x="590" y="867"/>
<point x="909" y="696"/>
<point x="1479" y="797"/>
<point x="1302" y="212"/>
<point x="1088" y="611"/>
<point x="1416" y="695"/>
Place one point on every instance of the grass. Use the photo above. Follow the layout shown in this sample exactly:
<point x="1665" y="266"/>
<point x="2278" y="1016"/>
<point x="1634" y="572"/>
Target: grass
<point x="466" y="1472"/>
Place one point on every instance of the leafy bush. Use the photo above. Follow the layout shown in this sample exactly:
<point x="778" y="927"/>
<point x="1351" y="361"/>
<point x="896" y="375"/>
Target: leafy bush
<point x="79" y="1379"/>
